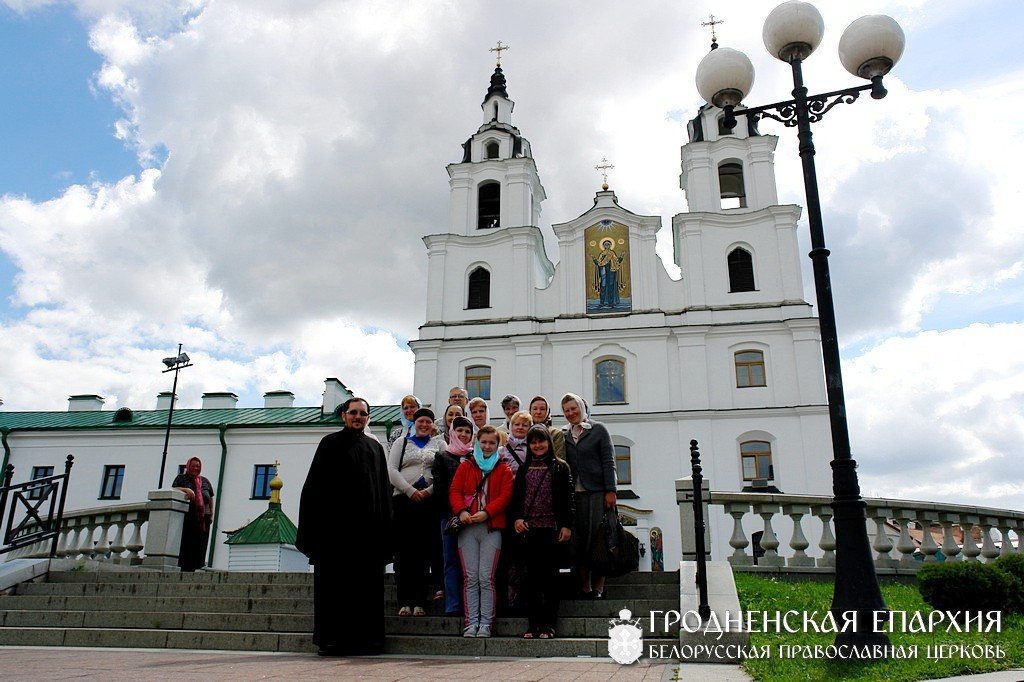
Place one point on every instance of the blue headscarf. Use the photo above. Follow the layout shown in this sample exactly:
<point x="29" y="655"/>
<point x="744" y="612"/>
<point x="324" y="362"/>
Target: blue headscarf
<point x="486" y="464"/>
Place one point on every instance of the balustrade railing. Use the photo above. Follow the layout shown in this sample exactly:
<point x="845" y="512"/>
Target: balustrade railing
<point x="115" y="534"/>
<point x="146" y="533"/>
<point x="903" y="533"/>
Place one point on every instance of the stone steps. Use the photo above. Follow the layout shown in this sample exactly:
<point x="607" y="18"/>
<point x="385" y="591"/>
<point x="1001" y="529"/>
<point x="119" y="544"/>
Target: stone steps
<point x="273" y="590"/>
<point x="273" y="612"/>
<point x="440" y="626"/>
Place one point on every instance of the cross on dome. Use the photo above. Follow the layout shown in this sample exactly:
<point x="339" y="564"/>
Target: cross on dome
<point x="712" y="23"/>
<point x="604" y="167"/>
<point x="499" y="48"/>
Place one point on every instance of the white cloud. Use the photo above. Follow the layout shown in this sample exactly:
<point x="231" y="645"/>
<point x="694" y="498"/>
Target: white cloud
<point x="940" y="415"/>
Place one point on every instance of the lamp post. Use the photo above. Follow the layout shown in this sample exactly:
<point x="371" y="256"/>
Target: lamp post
<point x="173" y="364"/>
<point x="869" y="48"/>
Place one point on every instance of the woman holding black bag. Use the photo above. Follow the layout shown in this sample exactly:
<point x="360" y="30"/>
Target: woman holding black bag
<point x="410" y="466"/>
<point x="543" y="514"/>
<point x="590" y="455"/>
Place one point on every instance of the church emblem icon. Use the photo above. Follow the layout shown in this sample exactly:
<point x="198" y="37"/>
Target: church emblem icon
<point x="625" y="639"/>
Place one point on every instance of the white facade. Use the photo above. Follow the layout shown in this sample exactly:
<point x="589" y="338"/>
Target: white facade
<point x="676" y="340"/>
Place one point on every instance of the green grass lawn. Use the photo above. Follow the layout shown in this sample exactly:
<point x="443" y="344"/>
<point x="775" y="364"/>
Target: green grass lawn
<point x="766" y="594"/>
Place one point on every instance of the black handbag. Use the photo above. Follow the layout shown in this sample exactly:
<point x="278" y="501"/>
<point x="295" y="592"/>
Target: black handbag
<point x="616" y="551"/>
<point x="454" y="525"/>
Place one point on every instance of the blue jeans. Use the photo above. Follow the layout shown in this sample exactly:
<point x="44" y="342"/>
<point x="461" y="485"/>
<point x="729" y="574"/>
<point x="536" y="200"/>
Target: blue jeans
<point x="452" y="571"/>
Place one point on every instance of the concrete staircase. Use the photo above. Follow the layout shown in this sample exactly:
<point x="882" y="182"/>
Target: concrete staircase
<point x="274" y="612"/>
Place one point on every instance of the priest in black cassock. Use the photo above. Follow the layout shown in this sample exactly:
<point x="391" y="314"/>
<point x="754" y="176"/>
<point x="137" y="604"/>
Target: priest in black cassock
<point x="345" y="530"/>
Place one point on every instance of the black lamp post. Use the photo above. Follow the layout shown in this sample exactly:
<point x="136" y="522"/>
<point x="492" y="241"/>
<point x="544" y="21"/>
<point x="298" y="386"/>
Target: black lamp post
<point x="174" y="364"/>
<point x="869" y="48"/>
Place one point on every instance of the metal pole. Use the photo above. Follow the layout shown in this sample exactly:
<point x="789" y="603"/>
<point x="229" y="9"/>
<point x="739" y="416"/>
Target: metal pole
<point x="856" y="585"/>
<point x="703" y="608"/>
<point x="170" y="414"/>
<point x="63" y="497"/>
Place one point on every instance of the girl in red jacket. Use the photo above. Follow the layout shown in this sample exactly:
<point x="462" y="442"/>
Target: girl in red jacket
<point x="479" y="494"/>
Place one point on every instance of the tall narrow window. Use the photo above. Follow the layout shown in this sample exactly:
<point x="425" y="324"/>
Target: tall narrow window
<point x="730" y="183"/>
<point x="750" y="369"/>
<point x="37" y="473"/>
<point x="110" y="486"/>
<point x="262" y="475"/>
<point x="492" y="150"/>
<point x="610" y="381"/>
<point x="478" y="381"/>
<point x="489" y="205"/>
<point x="756" y="457"/>
<point x="623" y="464"/>
<point x="479" y="289"/>
<point x="741" y="270"/>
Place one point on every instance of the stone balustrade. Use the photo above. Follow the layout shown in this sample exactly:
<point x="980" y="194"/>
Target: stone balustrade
<point x="902" y="533"/>
<point x="143" y="533"/>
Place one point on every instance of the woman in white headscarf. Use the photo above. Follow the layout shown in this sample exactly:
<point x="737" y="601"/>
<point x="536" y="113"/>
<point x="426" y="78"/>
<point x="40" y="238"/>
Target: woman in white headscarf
<point x="591" y="459"/>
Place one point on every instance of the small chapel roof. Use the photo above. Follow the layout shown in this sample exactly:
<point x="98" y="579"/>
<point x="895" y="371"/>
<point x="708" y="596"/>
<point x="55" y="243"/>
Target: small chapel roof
<point x="272" y="527"/>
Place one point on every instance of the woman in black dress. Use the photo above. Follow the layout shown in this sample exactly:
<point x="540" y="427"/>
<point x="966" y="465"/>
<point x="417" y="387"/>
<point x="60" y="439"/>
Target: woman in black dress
<point x="195" y="533"/>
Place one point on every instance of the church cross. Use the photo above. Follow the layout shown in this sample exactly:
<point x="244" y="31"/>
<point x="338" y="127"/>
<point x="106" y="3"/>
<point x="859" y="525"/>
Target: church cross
<point x="604" y="167"/>
<point x="499" y="49"/>
<point x="714" y="22"/>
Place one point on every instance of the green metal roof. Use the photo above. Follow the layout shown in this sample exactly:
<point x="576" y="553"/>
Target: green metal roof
<point x="272" y="527"/>
<point x="187" y="418"/>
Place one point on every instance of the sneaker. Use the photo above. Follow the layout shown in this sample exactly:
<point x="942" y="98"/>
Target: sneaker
<point x="405" y="611"/>
<point x="470" y="631"/>
<point x="483" y="631"/>
<point x="418" y="611"/>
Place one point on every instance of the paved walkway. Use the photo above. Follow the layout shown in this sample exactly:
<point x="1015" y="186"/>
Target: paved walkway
<point x="38" y="664"/>
<point x="31" y="664"/>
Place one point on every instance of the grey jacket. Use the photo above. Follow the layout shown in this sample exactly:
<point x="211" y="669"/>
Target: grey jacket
<point x="592" y="459"/>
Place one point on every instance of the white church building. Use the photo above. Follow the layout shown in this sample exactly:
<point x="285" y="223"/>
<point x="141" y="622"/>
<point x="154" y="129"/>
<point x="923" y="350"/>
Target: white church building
<point x="728" y="355"/>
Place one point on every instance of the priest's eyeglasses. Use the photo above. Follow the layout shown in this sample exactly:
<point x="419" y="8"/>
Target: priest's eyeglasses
<point x="358" y="413"/>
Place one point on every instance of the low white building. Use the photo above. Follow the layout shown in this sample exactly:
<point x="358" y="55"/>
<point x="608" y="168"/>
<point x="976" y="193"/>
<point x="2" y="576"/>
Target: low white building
<point x="728" y="355"/>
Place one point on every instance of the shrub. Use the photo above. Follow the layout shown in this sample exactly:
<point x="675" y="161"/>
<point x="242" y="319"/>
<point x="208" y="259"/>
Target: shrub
<point x="965" y="586"/>
<point x="1013" y="565"/>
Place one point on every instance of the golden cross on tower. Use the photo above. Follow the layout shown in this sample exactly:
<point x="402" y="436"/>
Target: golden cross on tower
<point x="604" y="167"/>
<point x="499" y="49"/>
<point x="714" y="22"/>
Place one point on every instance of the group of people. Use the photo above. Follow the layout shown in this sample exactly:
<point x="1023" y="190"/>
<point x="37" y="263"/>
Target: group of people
<point x="481" y="517"/>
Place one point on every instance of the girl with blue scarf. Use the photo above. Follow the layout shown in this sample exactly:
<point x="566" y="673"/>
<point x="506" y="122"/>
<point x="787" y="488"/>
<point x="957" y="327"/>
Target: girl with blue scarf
<point x="479" y="495"/>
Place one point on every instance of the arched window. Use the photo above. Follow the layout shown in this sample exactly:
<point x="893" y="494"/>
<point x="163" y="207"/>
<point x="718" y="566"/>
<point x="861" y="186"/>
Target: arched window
<point x="479" y="289"/>
<point x="610" y="381"/>
<point x="741" y="270"/>
<point x="478" y="382"/>
<point x="623" y="465"/>
<point x="750" y="369"/>
<point x="730" y="182"/>
<point x="492" y="150"/>
<point x="756" y="459"/>
<point x="489" y="205"/>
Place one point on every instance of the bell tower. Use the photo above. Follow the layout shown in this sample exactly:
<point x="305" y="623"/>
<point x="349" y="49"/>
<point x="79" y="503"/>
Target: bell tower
<point x="490" y="260"/>
<point x="496" y="184"/>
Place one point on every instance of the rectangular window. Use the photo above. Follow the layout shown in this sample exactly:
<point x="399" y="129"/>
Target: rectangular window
<point x="39" y="472"/>
<point x="113" y="477"/>
<point x="181" y="469"/>
<point x="756" y="457"/>
<point x="750" y="369"/>
<point x="478" y="382"/>
<point x="623" y="464"/>
<point x="262" y="476"/>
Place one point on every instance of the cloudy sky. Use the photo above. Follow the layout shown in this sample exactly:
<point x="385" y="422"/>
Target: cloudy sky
<point x="252" y="178"/>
